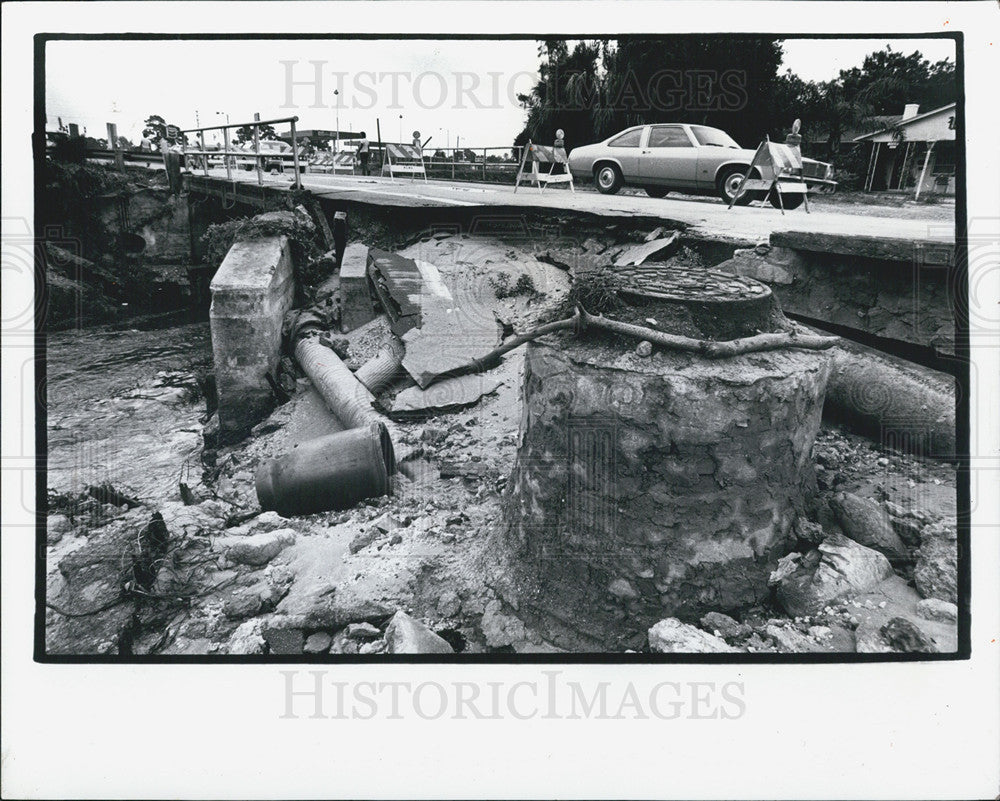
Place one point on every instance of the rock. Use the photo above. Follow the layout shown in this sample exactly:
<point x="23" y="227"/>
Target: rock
<point x="865" y="522"/>
<point x="247" y="639"/>
<point x="449" y="604"/>
<point x="838" y="566"/>
<point x="868" y="640"/>
<point x="258" y="549"/>
<point x="789" y="640"/>
<point x="809" y="531"/>
<point x="362" y="632"/>
<point x="243" y="605"/>
<point x="936" y="572"/>
<point x="318" y="643"/>
<point x="903" y="636"/>
<point x="434" y="435"/>
<point x="283" y="635"/>
<point x="59" y="524"/>
<point x="670" y="636"/>
<point x="405" y="635"/>
<point x="363" y="540"/>
<point x="341" y="644"/>
<point x="724" y="626"/>
<point x="268" y="521"/>
<point x="499" y="629"/>
<point x="644" y="348"/>
<point x="620" y="588"/>
<point x="936" y="609"/>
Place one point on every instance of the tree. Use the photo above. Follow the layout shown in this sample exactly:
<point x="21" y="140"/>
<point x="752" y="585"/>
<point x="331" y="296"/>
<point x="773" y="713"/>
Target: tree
<point x="245" y="134"/>
<point x="606" y="85"/>
<point x="860" y="96"/>
<point x="155" y="129"/>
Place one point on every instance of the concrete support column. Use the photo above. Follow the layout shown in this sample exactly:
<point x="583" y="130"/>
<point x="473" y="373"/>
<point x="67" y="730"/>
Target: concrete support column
<point x="251" y="292"/>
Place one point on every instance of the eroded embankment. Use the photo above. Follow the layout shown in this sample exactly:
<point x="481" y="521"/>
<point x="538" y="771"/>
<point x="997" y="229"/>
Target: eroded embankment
<point x="228" y="579"/>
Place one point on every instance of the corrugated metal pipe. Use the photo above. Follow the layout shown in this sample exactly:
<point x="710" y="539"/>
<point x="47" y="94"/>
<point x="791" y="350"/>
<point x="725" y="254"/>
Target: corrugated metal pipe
<point x="382" y="369"/>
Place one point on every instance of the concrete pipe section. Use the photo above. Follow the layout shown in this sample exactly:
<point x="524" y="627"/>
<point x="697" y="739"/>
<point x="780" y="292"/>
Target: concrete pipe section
<point x="651" y="486"/>
<point x="332" y="472"/>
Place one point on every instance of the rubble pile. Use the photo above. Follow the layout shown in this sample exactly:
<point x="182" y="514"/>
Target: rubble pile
<point x="868" y="563"/>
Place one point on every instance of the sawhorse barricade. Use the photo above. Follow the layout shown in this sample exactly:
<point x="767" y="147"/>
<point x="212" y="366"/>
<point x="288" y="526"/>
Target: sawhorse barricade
<point x="332" y="162"/>
<point x="403" y="159"/>
<point x="543" y="154"/>
<point x="780" y="168"/>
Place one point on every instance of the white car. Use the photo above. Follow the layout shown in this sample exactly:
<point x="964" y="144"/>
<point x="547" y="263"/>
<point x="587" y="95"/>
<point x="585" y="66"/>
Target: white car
<point x="695" y="159"/>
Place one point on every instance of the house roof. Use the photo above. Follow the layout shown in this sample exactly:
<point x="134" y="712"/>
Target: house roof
<point x="899" y="122"/>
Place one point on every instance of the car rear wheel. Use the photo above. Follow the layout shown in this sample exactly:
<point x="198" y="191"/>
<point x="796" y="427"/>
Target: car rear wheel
<point x="788" y="201"/>
<point x="729" y="185"/>
<point x="608" y="179"/>
<point x="656" y="191"/>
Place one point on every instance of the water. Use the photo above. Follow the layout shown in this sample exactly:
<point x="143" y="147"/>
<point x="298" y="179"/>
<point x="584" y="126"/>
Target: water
<point x="124" y="407"/>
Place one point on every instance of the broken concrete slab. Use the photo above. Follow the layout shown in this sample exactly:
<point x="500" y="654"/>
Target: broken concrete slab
<point x="356" y="307"/>
<point x="403" y="287"/>
<point x="636" y="255"/>
<point x="446" y="341"/>
<point x="443" y="396"/>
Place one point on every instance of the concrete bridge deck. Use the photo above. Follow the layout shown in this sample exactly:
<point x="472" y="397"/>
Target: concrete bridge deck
<point x="890" y="237"/>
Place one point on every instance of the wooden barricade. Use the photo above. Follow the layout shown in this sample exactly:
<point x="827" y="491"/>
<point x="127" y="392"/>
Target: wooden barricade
<point x="544" y="154"/>
<point x="780" y="168"/>
<point x="403" y="159"/>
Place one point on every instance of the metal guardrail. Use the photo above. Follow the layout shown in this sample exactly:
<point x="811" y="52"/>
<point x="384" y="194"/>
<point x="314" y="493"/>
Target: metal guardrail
<point x="230" y="156"/>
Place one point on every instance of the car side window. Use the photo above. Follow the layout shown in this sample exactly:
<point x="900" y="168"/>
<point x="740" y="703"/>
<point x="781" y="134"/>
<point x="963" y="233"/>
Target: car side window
<point x="668" y="136"/>
<point x="628" y="139"/>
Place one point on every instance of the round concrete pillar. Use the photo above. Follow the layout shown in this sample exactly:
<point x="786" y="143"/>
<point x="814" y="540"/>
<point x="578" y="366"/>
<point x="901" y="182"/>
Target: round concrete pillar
<point x="652" y="487"/>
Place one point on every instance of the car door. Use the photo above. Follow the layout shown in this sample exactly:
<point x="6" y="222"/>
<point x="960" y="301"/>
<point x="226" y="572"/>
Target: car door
<point x="669" y="157"/>
<point x="625" y="148"/>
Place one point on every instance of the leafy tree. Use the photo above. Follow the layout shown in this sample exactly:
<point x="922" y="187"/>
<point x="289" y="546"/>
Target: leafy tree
<point x="155" y="129"/>
<point x="885" y="82"/>
<point x="731" y="83"/>
<point x="245" y="134"/>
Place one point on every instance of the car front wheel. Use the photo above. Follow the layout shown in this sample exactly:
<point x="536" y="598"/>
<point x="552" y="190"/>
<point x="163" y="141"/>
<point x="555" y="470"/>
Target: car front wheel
<point x="608" y="179"/>
<point x="656" y="191"/>
<point x="729" y="185"/>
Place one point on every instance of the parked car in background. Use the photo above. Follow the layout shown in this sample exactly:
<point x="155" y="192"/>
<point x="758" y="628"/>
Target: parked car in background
<point x="275" y="156"/>
<point x="669" y="157"/>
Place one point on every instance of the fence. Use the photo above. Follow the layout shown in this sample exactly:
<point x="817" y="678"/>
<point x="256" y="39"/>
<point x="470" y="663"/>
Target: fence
<point x="489" y="164"/>
<point x="231" y="158"/>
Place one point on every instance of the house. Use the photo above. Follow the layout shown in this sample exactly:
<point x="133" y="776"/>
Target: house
<point x="916" y="152"/>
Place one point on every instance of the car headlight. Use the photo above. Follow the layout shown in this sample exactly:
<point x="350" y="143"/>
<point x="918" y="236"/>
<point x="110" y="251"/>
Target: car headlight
<point x="829" y="172"/>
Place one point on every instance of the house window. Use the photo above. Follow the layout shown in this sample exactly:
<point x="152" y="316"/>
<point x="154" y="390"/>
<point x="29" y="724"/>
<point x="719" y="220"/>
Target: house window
<point x="944" y="157"/>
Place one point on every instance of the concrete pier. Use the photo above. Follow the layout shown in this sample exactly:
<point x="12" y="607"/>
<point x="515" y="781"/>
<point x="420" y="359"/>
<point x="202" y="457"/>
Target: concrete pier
<point x="251" y="291"/>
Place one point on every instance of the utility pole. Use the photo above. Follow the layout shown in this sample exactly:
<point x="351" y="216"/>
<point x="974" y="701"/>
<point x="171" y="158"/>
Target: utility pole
<point x="336" y="119"/>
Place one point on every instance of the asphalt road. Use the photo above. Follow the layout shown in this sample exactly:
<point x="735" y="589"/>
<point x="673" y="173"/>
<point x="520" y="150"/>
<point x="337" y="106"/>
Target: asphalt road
<point x="701" y="216"/>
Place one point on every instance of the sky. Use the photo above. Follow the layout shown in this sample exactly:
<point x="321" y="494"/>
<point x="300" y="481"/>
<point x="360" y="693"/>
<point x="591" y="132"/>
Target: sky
<point x="457" y="92"/>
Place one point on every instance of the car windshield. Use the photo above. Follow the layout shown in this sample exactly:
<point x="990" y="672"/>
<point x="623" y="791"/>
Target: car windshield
<point x="712" y="137"/>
